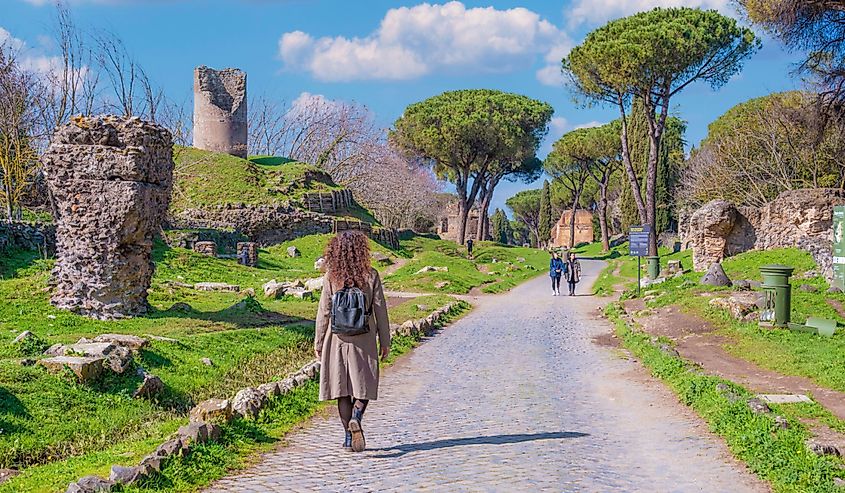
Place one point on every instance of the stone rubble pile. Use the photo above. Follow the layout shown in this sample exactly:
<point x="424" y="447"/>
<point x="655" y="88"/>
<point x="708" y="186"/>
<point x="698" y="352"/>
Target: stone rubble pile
<point x="297" y="289"/>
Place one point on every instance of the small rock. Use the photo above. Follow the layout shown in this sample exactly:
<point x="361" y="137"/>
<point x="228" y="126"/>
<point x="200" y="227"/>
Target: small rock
<point x="293" y="252"/>
<point x="149" y="388"/>
<point x="169" y="448"/>
<point x="134" y="343"/>
<point x="319" y="264"/>
<point x="85" y="368"/>
<point x="27" y="362"/>
<point x="300" y="293"/>
<point x="23" y="337"/>
<point x="833" y="290"/>
<point x="212" y="411"/>
<point x="90" y="484"/>
<point x="808" y="288"/>
<point x="214" y="432"/>
<point x="839" y="482"/>
<point x="669" y="350"/>
<point x="7" y="474"/>
<point x="431" y="268"/>
<point x="716" y="276"/>
<point x="181" y="307"/>
<point x="441" y="284"/>
<point x="55" y="350"/>
<point x="300" y="378"/>
<point x="216" y="286"/>
<point x="741" y="285"/>
<point x="422" y="308"/>
<point x="163" y="339"/>
<point x="520" y="259"/>
<point x="207" y="362"/>
<point x="314" y="284"/>
<point x="193" y="433"/>
<point x="248" y="402"/>
<point x="270" y="389"/>
<point x="274" y="289"/>
<point x="820" y="448"/>
<point x="126" y="475"/>
<point x="758" y="406"/>
<point x="781" y="422"/>
<point x="152" y="462"/>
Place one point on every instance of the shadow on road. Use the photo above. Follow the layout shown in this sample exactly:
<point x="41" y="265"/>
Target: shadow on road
<point x="401" y="450"/>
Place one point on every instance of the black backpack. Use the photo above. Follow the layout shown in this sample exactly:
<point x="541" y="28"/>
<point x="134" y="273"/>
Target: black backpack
<point x="350" y="315"/>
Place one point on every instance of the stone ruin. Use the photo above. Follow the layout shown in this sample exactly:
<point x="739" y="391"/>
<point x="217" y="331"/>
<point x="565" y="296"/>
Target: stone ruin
<point x="206" y="248"/>
<point x="796" y="218"/>
<point x="247" y="253"/>
<point x="110" y="178"/>
<point x="220" y="111"/>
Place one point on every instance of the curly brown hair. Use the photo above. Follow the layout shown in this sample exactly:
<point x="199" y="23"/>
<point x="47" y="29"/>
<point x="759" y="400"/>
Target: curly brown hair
<point x="348" y="259"/>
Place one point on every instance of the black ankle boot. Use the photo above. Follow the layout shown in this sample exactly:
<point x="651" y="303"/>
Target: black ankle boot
<point x="347" y="443"/>
<point x="358" y="443"/>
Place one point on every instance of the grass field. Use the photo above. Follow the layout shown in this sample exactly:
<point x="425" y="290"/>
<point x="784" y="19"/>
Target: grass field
<point x="494" y="268"/>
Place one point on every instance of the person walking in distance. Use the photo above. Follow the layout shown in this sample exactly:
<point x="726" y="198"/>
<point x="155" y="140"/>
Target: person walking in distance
<point x="573" y="273"/>
<point x="469" y="247"/>
<point x="556" y="269"/>
<point x="352" y="331"/>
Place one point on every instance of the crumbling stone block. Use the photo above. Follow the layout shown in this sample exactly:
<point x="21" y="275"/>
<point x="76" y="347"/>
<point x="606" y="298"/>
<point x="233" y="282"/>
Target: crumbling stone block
<point x="111" y="179"/>
<point x="206" y="248"/>
<point x="247" y="253"/>
<point x="85" y="367"/>
<point x="212" y="410"/>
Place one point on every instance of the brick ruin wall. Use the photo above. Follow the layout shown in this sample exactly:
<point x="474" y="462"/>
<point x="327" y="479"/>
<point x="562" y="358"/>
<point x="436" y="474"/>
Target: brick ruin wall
<point x="220" y="111"/>
<point x="111" y="180"/>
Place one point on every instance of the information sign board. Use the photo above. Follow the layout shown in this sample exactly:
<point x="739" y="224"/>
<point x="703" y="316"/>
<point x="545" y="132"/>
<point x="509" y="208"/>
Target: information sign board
<point x="839" y="246"/>
<point x="638" y="237"/>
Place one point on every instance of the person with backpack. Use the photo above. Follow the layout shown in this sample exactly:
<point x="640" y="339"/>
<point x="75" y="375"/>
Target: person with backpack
<point x="352" y="331"/>
<point x="469" y="247"/>
<point x="573" y="273"/>
<point x="556" y="270"/>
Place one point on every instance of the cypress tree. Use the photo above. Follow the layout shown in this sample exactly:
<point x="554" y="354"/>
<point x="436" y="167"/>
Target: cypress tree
<point x="545" y="228"/>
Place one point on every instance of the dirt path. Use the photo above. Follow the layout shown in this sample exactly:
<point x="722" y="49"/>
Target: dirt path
<point x="695" y="341"/>
<point x="513" y="397"/>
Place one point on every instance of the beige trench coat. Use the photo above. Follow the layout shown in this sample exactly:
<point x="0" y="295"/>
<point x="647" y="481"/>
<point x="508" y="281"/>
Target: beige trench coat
<point x="349" y="364"/>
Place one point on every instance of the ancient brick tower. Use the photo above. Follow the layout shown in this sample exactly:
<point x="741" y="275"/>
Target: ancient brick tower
<point x="220" y="119"/>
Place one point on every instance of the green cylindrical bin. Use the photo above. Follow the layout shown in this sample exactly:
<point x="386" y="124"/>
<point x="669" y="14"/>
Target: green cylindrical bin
<point x="778" y="294"/>
<point x="653" y="267"/>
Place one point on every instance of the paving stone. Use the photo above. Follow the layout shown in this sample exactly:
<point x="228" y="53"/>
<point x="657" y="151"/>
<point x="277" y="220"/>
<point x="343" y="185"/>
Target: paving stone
<point x="784" y="398"/>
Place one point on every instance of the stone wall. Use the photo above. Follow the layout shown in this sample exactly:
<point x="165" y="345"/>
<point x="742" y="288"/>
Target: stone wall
<point x="28" y="236"/>
<point x="264" y="224"/>
<point x="111" y="180"/>
<point x="226" y="241"/>
<point x="220" y="111"/>
<point x="328" y="202"/>
<point x="796" y="218"/>
<point x="583" y="228"/>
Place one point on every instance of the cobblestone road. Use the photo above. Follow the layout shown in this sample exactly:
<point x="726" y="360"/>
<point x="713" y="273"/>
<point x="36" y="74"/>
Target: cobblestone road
<point x="514" y="397"/>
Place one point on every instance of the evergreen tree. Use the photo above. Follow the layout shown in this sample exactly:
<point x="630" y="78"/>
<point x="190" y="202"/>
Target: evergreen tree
<point x="545" y="228"/>
<point x="501" y="227"/>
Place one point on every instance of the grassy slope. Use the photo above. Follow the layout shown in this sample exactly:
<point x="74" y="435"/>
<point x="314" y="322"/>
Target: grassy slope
<point x="247" y="345"/>
<point x="465" y="274"/>
<point x="262" y="180"/>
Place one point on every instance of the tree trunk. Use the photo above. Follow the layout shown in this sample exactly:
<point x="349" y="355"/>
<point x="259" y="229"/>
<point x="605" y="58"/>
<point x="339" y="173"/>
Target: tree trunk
<point x="629" y="167"/>
<point x="463" y="213"/>
<point x="605" y="240"/>
<point x="572" y="220"/>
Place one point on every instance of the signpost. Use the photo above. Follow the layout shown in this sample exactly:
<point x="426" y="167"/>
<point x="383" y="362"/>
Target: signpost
<point x="839" y="246"/>
<point x="638" y="238"/>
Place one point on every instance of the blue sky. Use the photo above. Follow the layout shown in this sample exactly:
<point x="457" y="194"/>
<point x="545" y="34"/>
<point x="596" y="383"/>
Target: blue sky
<point x="386" y="55"/>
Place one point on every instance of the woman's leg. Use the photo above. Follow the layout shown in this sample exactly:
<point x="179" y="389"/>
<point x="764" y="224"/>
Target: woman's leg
<point x="344" y="409"/>
<point x="571" y="288"/>
<point x="553" y="284"/>
<point x="557" y="285"/>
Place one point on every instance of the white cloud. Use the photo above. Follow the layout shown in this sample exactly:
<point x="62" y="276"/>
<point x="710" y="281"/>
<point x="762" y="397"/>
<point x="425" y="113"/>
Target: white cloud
<point x="599" y="11"/>
<point x="35" y="60"/>
<point x="415" y="41"/>
<point x="558" y="126"/>
<point x="591" y="124"/>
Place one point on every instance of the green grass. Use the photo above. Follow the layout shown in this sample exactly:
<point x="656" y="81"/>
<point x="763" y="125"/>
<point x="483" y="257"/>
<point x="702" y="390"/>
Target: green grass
<point x="775" y="454"/>
<point x="262" y="180"/>
<point x="464" y="274"/>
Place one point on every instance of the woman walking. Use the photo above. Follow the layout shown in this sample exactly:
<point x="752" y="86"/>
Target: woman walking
<point x="556" y="268"/>
<point x="352" y="331"/>
<point x="573" y="273"/>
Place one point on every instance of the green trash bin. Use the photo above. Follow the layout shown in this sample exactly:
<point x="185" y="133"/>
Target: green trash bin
<point x="778" y="295"/>
<point x="653" y="267"/>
